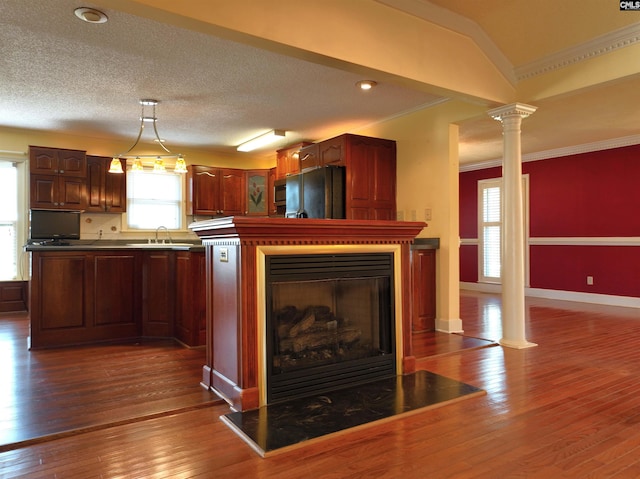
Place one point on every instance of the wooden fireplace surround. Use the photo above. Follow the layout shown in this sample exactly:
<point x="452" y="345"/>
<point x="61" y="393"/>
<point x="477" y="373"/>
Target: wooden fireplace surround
<point x="235" y="248"/>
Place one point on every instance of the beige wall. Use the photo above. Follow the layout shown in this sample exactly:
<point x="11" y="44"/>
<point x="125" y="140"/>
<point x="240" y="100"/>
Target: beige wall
<point x="427" y="142"/>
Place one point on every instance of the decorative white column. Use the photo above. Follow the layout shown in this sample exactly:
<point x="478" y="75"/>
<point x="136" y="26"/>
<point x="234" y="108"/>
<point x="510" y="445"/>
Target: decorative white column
<point x="513" y="241"/>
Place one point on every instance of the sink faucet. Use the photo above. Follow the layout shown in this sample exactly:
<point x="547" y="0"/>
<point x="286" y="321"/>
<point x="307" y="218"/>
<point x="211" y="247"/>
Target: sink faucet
<point x="168" y="234"/>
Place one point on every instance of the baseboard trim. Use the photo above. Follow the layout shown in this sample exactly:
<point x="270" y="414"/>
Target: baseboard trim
<point x="592" y="298"/>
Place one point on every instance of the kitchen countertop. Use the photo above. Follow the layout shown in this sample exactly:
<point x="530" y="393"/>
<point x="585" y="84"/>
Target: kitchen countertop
<point x="99" y="245"/>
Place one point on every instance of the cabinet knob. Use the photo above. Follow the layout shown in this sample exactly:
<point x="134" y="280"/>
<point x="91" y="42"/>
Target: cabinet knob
<point x="61" y="172"/>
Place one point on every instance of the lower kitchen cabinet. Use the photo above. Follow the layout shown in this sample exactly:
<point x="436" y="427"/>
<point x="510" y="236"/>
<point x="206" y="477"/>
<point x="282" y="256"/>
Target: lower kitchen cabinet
<point x="79" y="297"/>
<point x="88" y="296"/>
<point x="158" y="293"/>
<point x="191" y="306"/>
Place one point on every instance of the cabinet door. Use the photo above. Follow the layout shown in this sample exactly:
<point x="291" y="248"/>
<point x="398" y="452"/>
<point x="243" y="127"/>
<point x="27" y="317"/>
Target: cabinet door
<point x="232" y="199"/>
<point x="423" y="267"/>
<point x="158" y="294"/>
<point x="72" y="193"/>
<point x="332" y="152"/>
<point x="288" y="160"/>
<point x="190" y="327"/>
<point x="309" y="157"/>
<point x="95" y="183"/>
<point x="115" y="189"/>
<point x="204" y="190"/>
<point x="115" y="292"/>
<point x="257" y="196"/>
<point x="106" y="192"/>
<point x="43" y="161"/>
<point x="52" y="161"/>
<point x="371" y="178"/>
<point x="72" y="163"/>
<point x="57" y="300"/>
<point x="43" y="192"/>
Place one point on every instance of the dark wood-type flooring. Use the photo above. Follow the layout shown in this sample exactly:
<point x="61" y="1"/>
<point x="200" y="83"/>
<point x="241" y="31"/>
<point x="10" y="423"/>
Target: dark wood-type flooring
<point x="567" y="408"/>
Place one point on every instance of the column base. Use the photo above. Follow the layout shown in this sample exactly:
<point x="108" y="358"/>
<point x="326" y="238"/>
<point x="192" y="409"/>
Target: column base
<point x="516" y="344"/>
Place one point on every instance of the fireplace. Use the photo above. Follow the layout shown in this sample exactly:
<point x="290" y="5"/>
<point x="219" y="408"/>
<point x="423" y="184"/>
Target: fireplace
<point x="344" y="285"/>
<point x="329" y="322"/>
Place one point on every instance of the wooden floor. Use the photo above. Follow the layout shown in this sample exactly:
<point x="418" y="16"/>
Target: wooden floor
<point x="567" y="408"/>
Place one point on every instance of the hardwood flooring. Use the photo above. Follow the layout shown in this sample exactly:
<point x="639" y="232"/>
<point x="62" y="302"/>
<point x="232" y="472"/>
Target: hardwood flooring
<point x="567" y="408"/>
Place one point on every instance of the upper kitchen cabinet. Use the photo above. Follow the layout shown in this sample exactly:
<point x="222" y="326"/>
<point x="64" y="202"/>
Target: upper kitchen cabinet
<point x="308" y="157"/>
<point x="332" y="152"/>
<point x="258" y="199"/>
<point x="215" y="191"/>
<point x="288" y="160"/>
<point x="57" y="179"/>
<point x="106" y="192"/>
<point x="371" y="178"/>
<point x="56" y="161"/>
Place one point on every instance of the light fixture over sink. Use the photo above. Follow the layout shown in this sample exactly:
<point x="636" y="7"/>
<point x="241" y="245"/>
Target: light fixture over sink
<point x="116" y="165"/>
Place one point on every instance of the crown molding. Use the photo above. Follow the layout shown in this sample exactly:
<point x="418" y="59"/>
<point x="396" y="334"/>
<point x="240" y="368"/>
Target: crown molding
<point x="601" y="45"/>
<point x="558" y="152"/>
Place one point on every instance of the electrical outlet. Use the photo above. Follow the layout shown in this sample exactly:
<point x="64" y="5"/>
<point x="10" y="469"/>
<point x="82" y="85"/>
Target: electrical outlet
<point x="427" y="214"/>
<point x="414" y="216"/>
<point x="590" y="280"/>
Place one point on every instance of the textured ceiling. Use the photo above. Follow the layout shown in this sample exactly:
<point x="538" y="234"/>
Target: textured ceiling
<point x="58" y="73"/>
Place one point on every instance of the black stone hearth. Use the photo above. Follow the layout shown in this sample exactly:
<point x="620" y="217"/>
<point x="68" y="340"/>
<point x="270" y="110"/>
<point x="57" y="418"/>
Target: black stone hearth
<point x="280" y="427"/>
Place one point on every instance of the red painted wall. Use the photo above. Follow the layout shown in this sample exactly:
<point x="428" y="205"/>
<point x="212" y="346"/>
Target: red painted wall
<point x="594" y="194"/>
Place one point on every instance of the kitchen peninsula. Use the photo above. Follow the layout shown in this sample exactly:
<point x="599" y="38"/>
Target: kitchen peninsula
<point x="109" y="291"/>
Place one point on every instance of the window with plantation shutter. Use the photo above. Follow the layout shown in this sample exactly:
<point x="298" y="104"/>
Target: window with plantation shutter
<point x="490" y="204"/>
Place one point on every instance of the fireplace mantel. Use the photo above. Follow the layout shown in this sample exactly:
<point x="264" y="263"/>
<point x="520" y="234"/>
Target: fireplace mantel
<point x="291" y="231"/>
<point x="235" y="249"/>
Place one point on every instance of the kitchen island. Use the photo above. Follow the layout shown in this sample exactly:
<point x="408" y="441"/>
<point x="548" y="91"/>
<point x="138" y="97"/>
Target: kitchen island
<point x="111" y="291"/>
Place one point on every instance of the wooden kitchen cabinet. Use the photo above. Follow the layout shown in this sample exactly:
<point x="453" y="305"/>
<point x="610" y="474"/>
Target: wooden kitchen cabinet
<point x="57" y="179"/>
<point x="333" y="152"/>
<point x="215" y="191"/>
<point x="257" y="195"/>
<point x="52" y="192"/>
<point x="370" y="177"/>
<point x="80" y="297"/>
<point x="57" y="161"/>
<point x="158" y="293"/>
<point x="309" y="157"/>
<point x="288" y="160"/>
<point x="191" y="306"/>
<point x="106" y="192"/>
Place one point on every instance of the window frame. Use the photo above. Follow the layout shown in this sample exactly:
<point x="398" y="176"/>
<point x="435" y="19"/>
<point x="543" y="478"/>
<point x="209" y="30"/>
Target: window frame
<point x="22" y="223"/>
<point x="181" y="206"/>
<point x="489" y="183"/>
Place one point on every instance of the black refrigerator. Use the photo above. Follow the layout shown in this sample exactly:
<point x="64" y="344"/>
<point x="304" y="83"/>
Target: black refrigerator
<point x="317" y="193"/>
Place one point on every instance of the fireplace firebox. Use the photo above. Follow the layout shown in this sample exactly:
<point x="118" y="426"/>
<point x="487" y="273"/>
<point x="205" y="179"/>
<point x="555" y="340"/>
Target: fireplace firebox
<point x="330" y="322"/>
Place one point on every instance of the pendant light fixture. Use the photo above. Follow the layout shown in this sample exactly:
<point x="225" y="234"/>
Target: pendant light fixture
<point x="180" y="165"/>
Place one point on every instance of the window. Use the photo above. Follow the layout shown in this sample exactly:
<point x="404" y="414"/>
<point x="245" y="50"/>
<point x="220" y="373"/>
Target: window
<point x="9" y="225"/>
<point x="490" y="204"/>
<point x="154" y="199"/>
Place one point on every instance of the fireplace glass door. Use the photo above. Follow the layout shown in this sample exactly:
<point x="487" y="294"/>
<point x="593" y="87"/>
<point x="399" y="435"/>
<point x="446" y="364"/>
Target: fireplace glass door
<point x="330" y="322"/>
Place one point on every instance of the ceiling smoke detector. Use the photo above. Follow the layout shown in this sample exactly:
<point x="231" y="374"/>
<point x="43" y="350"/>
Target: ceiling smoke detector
<point x="90" y="15"/>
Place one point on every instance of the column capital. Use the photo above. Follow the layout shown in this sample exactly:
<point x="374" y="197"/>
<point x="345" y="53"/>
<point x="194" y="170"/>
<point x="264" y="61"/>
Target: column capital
<point x="514" y="109"/>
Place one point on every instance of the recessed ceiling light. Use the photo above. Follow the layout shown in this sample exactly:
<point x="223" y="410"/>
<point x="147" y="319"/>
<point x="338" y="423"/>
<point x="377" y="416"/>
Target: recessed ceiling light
<point x="90" y="15"/>
<point x="366" y="84"/>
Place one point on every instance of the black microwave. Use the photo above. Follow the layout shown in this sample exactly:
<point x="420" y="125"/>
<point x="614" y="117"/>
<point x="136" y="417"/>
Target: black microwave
<point x="280" y="192"/>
